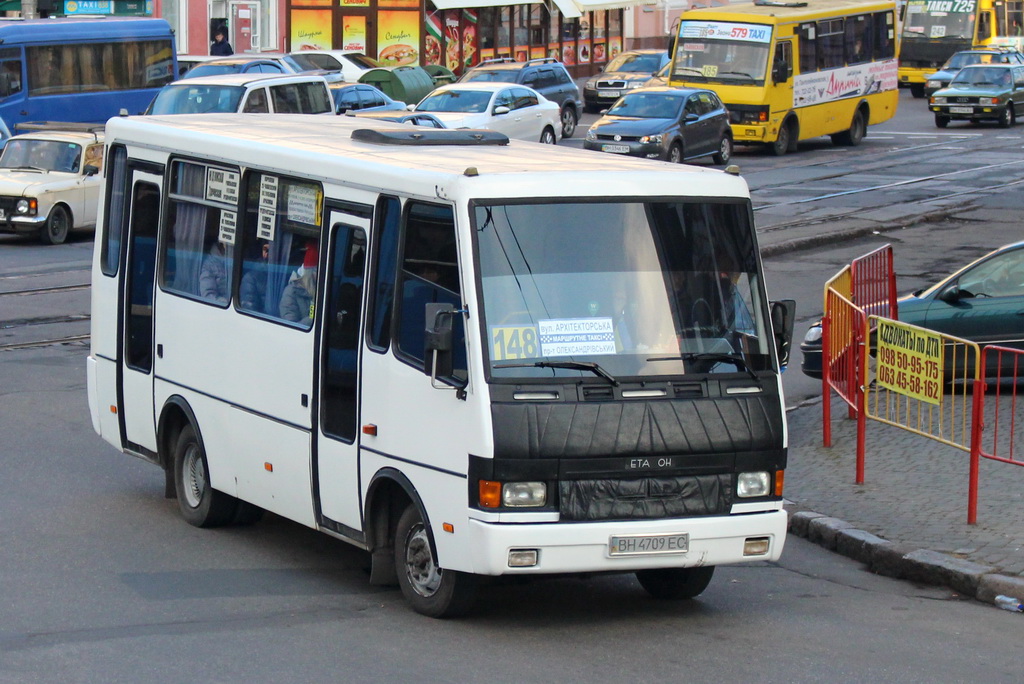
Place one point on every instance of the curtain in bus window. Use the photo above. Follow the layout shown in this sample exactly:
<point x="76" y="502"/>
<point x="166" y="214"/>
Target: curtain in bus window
<point x="188" y="230"/>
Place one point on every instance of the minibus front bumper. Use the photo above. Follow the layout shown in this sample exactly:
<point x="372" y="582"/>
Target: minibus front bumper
<point x="587" y="547"/>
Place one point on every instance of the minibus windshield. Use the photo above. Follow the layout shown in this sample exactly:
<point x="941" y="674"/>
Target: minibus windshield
<point x="722" y="52"/>
<point x="637" y="288"/>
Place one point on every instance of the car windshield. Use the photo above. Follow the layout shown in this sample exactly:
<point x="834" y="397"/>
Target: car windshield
<point x="962" y="59"/>
<point x="946" y="20"/>
<point x="196" y="99"/>
<point x="632" y="62"/>
<point x="982" y="76"/>
<point x="465" y="101"/>
<point x="647" y="106"/>
<point x="705" y="55"/>
<point x="639" y="288"/>
<point x="43" y="155"/>
<point x="214" y="69"/>
<point x="490" y="76"/>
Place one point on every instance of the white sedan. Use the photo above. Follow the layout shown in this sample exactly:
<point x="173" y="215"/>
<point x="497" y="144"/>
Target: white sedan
<point x="515" y="110"/>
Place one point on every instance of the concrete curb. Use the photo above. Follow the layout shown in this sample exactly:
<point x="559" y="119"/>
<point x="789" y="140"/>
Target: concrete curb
<point x="883" y="557"/>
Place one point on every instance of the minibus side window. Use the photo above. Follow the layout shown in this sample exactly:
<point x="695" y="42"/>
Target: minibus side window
<point x="385" y="258"/>
<point x="10" y="72"/>
<point x="113" y="217"/>
<point x="429" y="274"/>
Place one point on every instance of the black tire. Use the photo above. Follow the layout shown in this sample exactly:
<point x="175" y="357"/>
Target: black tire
<point x="724" y="153"/>
<point x="784" y="142"/>
<point x="675" y="154"/>
<point x="855" y="134"/>
<point x="1008" y="118"/>
<point x="917" y="90"/>
<point x="569" y="120"/>
<point x="673" y="584"/>
<point x="200" y="504"/>
<point x="591" y="108"/>
<point x="58" y="225"/>
<point x="430" y="590"/>
<point x="547" y="136"/>
<point x="941" y="121"/>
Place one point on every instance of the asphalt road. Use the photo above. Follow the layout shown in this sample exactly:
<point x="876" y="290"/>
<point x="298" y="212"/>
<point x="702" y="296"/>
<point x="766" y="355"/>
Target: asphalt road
<point x="102" y="581"/>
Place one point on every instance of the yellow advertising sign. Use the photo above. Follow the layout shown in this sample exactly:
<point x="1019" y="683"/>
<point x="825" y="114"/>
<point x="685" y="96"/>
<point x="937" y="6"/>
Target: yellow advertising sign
<point x="910" y="361"/>
<point x="311" y="29"/>
<point x="398" y="38"/>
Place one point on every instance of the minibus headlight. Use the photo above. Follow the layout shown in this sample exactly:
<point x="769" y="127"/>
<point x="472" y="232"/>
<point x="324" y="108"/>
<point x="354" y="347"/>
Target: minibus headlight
<point x="938" y="100"/>
<point x="753" y="484"/>
<point x="524" y="494"/>
<point x="650" y="139"/>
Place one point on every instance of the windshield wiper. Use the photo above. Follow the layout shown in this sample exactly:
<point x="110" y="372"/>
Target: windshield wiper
<point x="27" y="168"/>
<point x="738" y="73"/>
<point x="734" y="359"/>
<point x="568" y="365"/>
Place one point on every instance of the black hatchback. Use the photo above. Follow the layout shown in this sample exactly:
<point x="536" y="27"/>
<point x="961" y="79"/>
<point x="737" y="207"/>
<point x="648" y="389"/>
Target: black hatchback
<point x="674" y="124"/>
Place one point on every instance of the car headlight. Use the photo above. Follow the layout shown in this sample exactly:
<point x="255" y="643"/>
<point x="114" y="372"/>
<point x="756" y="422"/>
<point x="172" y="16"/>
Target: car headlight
<point x="590" y="85"/>
<point x="813" y="334"/>
<point x="23" y="206"/>
<point x="933" y="84"/>
<point x="591" y="134"/>
<point x="635" y="84"/>
<point x="988" y="100"/>
<point x="651" y="138"/>
<point x="938" y="100"/>
<point x="753" y="484"/>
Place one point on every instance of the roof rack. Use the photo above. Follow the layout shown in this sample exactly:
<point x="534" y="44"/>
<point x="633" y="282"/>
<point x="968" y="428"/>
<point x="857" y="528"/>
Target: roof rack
<point x="497" y="60"/>
<point x="542" y="60"/>
<point x="425" y="137"/>
<point x="61" y="127"/>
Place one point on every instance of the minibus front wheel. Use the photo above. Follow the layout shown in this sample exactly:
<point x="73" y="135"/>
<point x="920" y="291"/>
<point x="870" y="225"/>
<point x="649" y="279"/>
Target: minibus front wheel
<point x="786" y="142"/>
<point x="429" y="589"/>
<point x="673" y="584"/>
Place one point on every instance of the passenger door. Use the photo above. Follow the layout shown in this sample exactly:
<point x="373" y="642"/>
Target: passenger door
<point x="135" y="363"/>
<point x="245" y="25"/>
<point x="336" y="465"/>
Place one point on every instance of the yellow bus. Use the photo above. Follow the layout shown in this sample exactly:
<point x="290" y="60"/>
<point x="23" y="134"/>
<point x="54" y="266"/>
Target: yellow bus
<point x="932" y="30"/>
<point x="788" y="71"/>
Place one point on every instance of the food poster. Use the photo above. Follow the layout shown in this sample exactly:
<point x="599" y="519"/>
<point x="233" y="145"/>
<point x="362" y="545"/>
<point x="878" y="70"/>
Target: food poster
<point x="398" y="35"/>
<point x="353" y="33"/>
<point x="470" y="41"/>
<point x="555" y="51"/>
<point x="452" y="39"/>
<point x="522" y="53"/>
<point x="433" y="39"/>
<point x="598" y="25"/>
<point x="599" y="53"/>
<point x="486" y="53"/>
<point x="311" y="29"/>
<point x="614" y="47"/>
<point x="538" y="52"/>
<point x="569" y="53"/>
<point x="583" y="50"/>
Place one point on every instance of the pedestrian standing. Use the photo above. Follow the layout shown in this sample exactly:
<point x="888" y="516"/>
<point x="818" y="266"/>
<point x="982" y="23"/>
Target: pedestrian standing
<point x="220" y="46"/>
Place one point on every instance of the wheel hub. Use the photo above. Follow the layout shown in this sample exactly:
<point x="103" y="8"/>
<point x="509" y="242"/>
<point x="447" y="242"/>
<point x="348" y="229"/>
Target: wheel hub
<point x="423" y="573"/>
<point x="194" y="476"/>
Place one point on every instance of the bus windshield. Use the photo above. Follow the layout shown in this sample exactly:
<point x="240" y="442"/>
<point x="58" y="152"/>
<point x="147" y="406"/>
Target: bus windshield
<point x="722" y="52"/>
<point x="639" y="288"/>
<point x="939" y="19"/>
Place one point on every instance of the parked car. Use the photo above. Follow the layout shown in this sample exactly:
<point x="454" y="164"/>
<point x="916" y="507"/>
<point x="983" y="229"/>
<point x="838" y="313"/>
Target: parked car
<point x="263" y="63"/>
<point x="351" y="63"/>
<point x="186" y="62"/>
<point x="991" y="91"/>
<point x="547" y="76"/>
<point x="515" y="110"/>
<point x="674" y="124"/>
<point x="350" y="97"/>
<point x="628" y="70"/>
<point x="981" y="302"/>
<point x="50" y="183"/>
<point x="412" y="118"/>
<point x="251" y="93"/>
<point x="979" y="55"/>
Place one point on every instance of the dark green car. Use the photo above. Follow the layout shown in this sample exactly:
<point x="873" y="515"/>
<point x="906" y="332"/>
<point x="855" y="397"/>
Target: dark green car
<point x="983" y="91"/>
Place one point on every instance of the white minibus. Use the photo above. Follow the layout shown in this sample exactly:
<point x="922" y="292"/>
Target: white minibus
<point x="468" y="356"/>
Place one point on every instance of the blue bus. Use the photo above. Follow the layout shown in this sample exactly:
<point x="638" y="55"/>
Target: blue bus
<point x="80" y="69"/>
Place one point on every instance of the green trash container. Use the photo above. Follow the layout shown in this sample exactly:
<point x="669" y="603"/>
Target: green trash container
<point x="410" y="84"/>
<point x="442" y="75"/>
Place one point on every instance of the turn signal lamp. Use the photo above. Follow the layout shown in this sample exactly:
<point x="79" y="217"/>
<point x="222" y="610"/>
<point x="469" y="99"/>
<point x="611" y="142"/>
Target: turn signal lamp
<point x="762" y="116"/>
<point x="490" y="494"/>
<point x="780" y="480"/>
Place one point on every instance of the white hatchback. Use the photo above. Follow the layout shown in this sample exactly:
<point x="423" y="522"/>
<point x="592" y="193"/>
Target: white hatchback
<point x="249" y="93"/>
<point x="515" y="110"/>
<point x="50" y="183"/>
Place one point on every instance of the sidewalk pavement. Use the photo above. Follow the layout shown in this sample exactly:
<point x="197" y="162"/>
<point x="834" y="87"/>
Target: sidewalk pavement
<point x="909" y="519"/>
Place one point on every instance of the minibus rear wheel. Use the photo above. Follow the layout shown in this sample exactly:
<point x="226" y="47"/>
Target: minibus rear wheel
<point x="429" y="589"/>
<point x="673" y="584"/>
<point x="200" y="504"/>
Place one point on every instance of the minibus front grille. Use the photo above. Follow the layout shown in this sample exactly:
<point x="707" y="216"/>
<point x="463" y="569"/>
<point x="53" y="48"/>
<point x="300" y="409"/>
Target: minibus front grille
<point x="646" y="498"/>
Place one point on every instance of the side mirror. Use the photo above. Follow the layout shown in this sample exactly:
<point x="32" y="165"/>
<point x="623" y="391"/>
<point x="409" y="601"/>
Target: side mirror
<point x="783" y="313"/>
<point x="91" y="170"/>
<point x="780" y="74"/>
<point x="690" y="117"/>
<point x="951" y="294"/>
<point x="437" y="361"/>
<point x="501" y="109"/>
<point x="411" y="108"/>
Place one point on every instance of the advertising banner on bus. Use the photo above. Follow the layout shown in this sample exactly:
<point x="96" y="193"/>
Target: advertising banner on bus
<point x="837" y="84"/>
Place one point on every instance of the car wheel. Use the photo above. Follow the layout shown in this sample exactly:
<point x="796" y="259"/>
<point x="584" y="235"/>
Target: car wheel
<point x="548" y="136"/>
<point x="675" y="154"/>
<point x="673" y="584"/>
<point x="724" y="153"/>
<point x="200" y="504"/>
<point x="917" y="90"/>
<point x="853" y="136"/>
<point x="57" y="226"/>
<point x="1009" y="118"/>
<point x="568" y="122"/>
<point x="783" y="142"/>
<point x="429" y="589"/>
<point x="941" y="121"/>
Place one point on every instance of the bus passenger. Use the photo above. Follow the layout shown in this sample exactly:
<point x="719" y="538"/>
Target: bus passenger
<point x="252" y="292"/>
<point x="213" y="275"/>
<point x="298" y="298"/>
